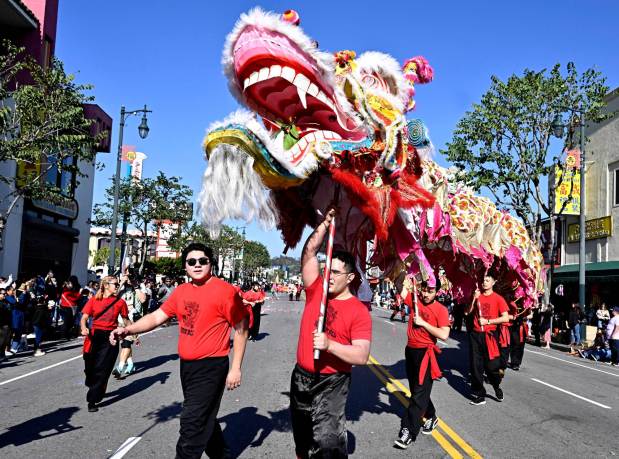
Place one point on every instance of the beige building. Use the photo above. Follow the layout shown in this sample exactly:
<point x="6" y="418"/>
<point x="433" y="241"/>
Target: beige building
<point x="100" y="238"/>
<point x="602" y="216"/>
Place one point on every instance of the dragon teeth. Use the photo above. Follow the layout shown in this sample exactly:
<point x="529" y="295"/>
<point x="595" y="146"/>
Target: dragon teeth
<point x="313" y="90"/>
<point x="302" y="83"/>
<point x="288" y="74"/>
<point x="302" y="97"/>
<point x="253" y="78"/>
<point x="276" y="71"/>
<point x="263" y="74"/>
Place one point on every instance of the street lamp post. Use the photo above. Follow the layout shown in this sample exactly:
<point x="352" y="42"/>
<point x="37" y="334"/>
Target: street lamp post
<point x="557" y="129"/>
<point x="143" y="130"/>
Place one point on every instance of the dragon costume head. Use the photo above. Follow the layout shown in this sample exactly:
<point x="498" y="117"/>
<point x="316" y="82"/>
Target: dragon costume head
<point x="319" y="127"/>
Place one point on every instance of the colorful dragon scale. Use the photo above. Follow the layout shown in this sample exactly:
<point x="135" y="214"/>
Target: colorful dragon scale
<point x="319" y="127"/>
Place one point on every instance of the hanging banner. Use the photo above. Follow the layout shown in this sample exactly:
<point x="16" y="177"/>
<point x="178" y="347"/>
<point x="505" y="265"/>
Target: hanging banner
<point x="567" y="185"/>
<point x="136" y="165"/>
<point x="128" y="154"/>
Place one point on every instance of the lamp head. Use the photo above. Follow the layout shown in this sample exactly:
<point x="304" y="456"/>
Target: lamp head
<point x="143" y="128"/>
<point x="557" y="126"/>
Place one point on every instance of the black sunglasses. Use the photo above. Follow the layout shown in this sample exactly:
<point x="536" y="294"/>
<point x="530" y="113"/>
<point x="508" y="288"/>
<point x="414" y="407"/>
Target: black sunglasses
<point x="202" y="261"/>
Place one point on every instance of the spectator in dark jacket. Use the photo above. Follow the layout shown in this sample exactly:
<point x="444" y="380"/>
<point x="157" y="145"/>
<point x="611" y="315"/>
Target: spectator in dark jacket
<point x="5" y="324"/>
<point x="574" y="318"/>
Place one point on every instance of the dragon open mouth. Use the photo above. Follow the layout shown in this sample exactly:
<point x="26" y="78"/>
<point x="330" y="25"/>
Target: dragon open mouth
<point x="288" y="89"/>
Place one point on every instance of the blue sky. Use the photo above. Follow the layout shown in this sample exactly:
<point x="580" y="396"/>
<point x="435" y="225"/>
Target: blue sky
<point x="167" y="55"/>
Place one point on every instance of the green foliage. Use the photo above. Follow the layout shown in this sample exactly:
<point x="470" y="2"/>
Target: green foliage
<point x="228" y="242"/>
<point x="42" y="125"/>
<point x="165" y="266"/>
<point x="293" y="264"/>
<point x="502" y="143"/>
<point x="150" y="201"/>
<point x="255" y="257"/>
<point x="100" y="256"/>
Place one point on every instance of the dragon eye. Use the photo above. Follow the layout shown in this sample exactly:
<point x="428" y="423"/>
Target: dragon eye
<point x="372" y="82"/>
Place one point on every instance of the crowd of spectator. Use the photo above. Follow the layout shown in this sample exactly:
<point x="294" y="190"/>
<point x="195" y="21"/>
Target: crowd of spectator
<point x="43" y="308"/>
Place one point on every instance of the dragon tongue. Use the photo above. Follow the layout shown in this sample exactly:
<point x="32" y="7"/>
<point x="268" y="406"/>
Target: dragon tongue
<point x="302" y="96"/>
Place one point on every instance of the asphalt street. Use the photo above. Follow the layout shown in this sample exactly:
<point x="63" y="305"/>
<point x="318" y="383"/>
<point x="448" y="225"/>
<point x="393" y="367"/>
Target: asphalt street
<point x="556" y="406"/>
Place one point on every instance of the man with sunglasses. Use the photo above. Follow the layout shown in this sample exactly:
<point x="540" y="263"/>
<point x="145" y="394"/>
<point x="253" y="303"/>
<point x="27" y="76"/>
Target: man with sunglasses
<point x="207" y="308"/>
<point x="422" y="369"/>
<point x="319" y="388"/>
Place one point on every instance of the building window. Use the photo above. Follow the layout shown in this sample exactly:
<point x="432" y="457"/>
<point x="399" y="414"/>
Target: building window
<point x="47" y="53"/>
<point x="616" y="187"/>
<point x="59" y="176"/>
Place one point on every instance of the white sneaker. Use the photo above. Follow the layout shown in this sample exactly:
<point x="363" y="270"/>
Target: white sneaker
<point x="39" y="353"/>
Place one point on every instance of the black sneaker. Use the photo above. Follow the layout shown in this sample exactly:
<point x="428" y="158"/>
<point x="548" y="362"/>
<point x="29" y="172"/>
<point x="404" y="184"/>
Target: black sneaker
<point x="116" y="373"/>
<point x="516" y="368"/>
<point x="476" y="400"/>
<point x="404" y="439"/>
<point x="92" y="408"/>
<point x="429" y="425"/>
<point x="498" y="392"/>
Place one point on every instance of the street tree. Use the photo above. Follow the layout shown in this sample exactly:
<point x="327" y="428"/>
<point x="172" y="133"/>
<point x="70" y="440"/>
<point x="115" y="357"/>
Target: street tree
<point x="502" y="144"/>
<point x="226" y="248"/>
<point x="42" y="128"/>
<point x="290" y="264"/>
<point x="150" y="202"/>
<point x="102" y="255"/>
<point x="255" y="258"/>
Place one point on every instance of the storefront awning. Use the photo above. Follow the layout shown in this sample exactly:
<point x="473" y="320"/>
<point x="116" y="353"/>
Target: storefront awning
<point x="604" y="271"/>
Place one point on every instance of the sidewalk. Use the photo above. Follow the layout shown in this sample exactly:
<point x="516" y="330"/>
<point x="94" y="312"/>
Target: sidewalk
<point x="553" y="345"/>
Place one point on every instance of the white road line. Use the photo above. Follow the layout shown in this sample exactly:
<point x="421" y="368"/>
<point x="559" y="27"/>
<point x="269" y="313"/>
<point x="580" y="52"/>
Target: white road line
<point x="125" y="447"/>
<point x="39" y="370"/>
<point x="574" y="363"/>
<point x="571" y="393"/>
<point x="17" y="378"/>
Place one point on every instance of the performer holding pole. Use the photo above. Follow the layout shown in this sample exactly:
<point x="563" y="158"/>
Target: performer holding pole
<point x="325" y="283"/>
<point x="430" y="321"/>
<point x="319" y="387"/>
<point x="489" y="310"/>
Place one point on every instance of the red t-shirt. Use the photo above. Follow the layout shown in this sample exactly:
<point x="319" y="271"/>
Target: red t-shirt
<point x="253" y="296"/>
<point x="491" y="307"/>
<point x="435" y="314"/>
<point x="109" y="320"/>
<point x="69" y="298"/>
<point x="206" y="315"/>
<point x="345" y="321"/>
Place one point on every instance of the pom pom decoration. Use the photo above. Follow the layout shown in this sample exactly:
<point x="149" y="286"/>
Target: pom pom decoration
<point x="416" y="70"/>
<point x="292" y="17"/>
<point x="345" y="61"/>
<point x="417" y="133"/>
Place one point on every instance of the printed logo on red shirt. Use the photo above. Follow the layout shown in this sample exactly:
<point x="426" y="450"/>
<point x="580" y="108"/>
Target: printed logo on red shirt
<point x="189" y="317"/>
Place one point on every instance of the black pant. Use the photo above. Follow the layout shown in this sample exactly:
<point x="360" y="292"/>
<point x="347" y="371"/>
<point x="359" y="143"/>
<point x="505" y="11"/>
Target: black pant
<point x="317" y="408"/>
<point x="68" y="321"/>
<point x="504" y="356"/>
<point x="458" y="314"/>
<point x="613" y="344"/>
<point x="255" y="328"/>
<point x="480" y="362"/>
<point x="516" y="346"/>
<point x="203" y="383"/>
<point x="420" y="404"/>
<point x="98" y="365"/>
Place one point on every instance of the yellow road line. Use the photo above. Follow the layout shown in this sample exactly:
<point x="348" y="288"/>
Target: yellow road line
<point x="391" y="387"/>
<point x="461" y="443"/>
<point x="389" y="380"/>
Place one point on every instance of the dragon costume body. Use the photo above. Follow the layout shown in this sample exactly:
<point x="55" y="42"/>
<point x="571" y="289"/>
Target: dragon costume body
<point x="317" y="127"/>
